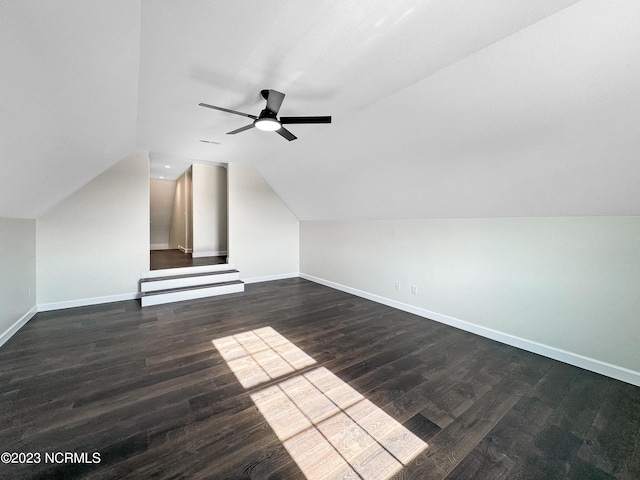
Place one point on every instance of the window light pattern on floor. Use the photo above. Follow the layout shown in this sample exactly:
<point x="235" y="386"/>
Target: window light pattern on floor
<point x="261" y="355"/>
<point x="329" y="429"/>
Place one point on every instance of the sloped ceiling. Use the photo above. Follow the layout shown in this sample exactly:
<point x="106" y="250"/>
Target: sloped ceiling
<point x="446" y="108"/>
<point x="68" y="96"/>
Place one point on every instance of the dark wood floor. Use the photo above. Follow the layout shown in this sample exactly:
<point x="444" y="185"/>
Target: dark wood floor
<point x="161" y="259"/>
<point x="148" y="391"/>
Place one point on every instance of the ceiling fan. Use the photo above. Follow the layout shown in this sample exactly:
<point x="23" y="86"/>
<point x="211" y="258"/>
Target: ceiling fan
<point x="268" y="120"/>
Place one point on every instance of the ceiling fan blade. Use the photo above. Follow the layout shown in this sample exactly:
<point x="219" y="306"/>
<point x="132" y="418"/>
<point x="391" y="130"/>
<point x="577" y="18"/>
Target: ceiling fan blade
<point x="241" y="129"/>
<point x="292" y="120"/>
<point x="274" y="100"/>
<point x="227" y="110"/>
<point x="286" y="133"/>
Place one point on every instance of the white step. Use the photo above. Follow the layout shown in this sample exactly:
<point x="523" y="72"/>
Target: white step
<point x="169" y="272"/>
<point x="186" y="280"/>
<point x="190" y="293"/>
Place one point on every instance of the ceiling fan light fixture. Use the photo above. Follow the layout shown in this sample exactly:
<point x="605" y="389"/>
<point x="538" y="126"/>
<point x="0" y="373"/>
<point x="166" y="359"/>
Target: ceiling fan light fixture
<point x="268" y="120"/>
<point x="267" y="124"/>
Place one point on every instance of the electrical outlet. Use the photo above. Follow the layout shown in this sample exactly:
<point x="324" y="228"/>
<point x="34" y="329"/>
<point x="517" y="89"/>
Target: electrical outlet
<point x="414" y="289"/>
<point x="397" y="285"/>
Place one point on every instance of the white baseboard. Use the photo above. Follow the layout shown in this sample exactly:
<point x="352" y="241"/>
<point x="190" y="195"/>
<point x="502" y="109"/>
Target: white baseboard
<point x="184" y="249"/>
<point x="21" y="322"/>
<point x="210" y="253"/>
<point x="269" y="278"/>
<point x="597" y="366"/>
<point x="159" y="246"/>
<point x="83" y="302"/>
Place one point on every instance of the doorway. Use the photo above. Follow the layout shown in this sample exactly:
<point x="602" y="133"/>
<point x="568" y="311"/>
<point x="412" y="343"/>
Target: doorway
<point x="188" y="218"/>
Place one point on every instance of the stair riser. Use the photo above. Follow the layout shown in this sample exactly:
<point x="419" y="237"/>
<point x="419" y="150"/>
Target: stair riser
<point x="154" y="286"/>
<point x="187" y="270"/>
<point x="190" y="294"/>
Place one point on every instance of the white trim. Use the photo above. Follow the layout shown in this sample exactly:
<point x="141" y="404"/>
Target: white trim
<point x="167" y="272"/>
<point x="21" y="322"/>
<point x="269" y="278"/>
<point x="180" y="296"/>
<point x="159" y="246"/>
<point x="210" y="253"/>
<point x="184" y="249"/>
<point x="598" y="366"/>
<point x="83" y="302"/>
<point x="153" y="285"/>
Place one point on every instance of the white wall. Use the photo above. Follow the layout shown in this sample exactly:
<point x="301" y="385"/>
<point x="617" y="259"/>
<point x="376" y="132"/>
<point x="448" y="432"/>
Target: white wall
<point x="569" y="283"/>
<point x="181" y="232"/>
<point x="263" y="233"/>
<point x="17" y="274"/>
<point x="161" y="194"/>
<point x="209" y="210"/>
<point x="95" y="243"/>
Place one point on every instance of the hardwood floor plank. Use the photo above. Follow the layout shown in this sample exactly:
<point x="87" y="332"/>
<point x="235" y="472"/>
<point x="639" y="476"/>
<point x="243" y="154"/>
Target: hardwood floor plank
<point x="450" y="446"/>
<point x="579" y="407"/>
<point x="614" y="450"/>
<point x="420" y="468"/>
<point x="150" y="391"/>
<point x="174" y="258"/>
<point x="512" y="449"/>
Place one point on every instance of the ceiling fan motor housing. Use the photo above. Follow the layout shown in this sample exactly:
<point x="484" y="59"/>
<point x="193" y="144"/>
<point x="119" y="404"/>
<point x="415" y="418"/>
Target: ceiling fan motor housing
<point x="266" y="113"/>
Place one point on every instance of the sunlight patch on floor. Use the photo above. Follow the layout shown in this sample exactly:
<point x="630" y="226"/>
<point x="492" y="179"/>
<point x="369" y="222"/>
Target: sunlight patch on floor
<point x="261" y="355"/>
<point x="329" y="429"/>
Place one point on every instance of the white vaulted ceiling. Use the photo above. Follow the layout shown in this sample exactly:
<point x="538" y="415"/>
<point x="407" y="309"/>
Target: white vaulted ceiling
<point x="68" y="96"/>
<point x="445" y="108"/>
